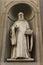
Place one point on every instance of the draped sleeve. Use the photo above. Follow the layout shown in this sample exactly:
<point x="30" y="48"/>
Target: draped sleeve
<point x="13" y="35"/>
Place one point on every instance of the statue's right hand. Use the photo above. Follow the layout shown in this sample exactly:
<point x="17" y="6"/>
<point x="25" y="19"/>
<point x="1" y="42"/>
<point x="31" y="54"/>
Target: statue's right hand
<point x="17" y="26"/>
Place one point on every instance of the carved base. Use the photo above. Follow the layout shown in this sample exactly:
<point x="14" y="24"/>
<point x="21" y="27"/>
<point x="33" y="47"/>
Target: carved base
<point x="20" y="60"/>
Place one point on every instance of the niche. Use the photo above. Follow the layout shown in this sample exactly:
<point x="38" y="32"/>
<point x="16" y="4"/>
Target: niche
<point x="12" y="17"/>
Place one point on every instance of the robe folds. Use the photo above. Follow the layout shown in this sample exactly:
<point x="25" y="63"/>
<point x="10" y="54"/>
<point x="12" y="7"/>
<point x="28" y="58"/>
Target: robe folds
<point x="19" y="38"/>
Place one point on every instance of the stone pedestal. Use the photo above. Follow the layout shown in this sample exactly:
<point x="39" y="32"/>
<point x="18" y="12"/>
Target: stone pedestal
<point x="20" y="60"/>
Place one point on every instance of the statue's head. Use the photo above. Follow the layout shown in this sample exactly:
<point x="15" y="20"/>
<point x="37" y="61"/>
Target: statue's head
<point x="21" y="16"/>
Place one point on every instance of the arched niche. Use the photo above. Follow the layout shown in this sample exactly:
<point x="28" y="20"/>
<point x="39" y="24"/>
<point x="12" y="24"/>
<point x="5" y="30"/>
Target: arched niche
<point x="25" y="8"/>
<point x="12" y="17"/>
<point x="21" y="7"/>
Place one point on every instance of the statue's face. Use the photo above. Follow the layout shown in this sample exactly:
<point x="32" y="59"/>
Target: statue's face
<point x="21" y="16"/>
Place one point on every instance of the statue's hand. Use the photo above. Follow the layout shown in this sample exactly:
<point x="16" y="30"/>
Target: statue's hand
<point x="16" y="27"/>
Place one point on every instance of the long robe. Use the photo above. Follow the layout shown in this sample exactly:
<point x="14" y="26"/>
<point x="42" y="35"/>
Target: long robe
<point x="21" y="50"/>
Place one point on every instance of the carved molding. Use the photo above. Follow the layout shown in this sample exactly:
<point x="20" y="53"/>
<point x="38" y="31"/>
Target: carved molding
<point x="31" y="3"/>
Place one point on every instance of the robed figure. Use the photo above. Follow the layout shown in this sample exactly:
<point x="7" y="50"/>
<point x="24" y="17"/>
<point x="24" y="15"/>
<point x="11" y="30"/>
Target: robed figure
<point x="20" y="38"/>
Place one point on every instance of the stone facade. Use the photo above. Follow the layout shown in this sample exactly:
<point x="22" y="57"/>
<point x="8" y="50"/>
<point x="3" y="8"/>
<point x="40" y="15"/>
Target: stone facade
<point x="36" y="25"/>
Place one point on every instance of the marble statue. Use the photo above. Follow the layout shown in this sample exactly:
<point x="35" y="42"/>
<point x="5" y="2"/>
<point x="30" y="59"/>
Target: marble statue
<point x="21" y="38"/>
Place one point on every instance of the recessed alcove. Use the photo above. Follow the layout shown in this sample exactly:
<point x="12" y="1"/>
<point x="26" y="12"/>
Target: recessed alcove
<point x="12" y="17"/>
<point x="21" y="7"/>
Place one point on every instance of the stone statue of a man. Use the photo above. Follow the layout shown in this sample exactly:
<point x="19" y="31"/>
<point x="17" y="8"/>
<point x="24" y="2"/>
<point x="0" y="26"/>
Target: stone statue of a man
<point x="20" y="38"/>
